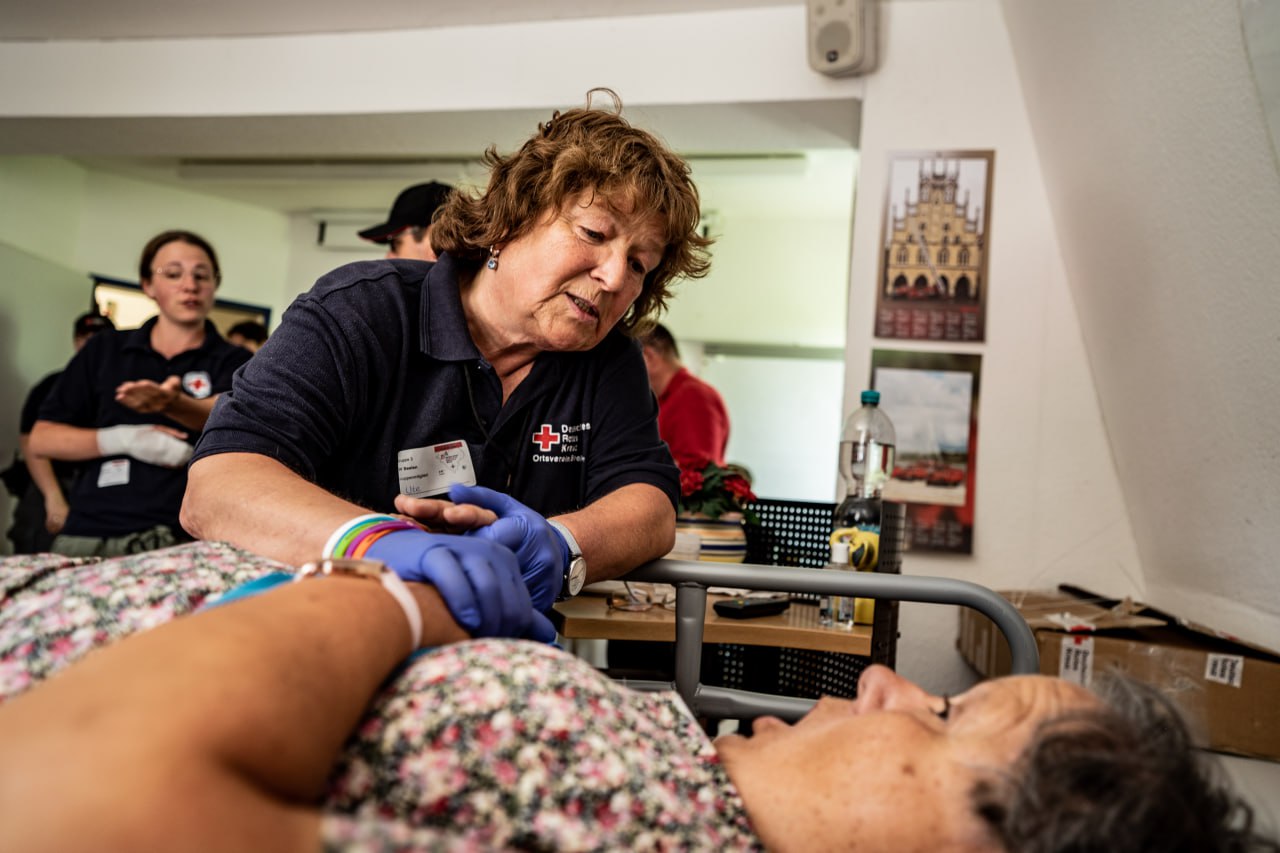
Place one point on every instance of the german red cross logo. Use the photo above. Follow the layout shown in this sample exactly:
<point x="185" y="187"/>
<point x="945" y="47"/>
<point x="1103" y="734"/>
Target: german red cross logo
<point x="546" y="438"/>
<point x="197" y="383"/>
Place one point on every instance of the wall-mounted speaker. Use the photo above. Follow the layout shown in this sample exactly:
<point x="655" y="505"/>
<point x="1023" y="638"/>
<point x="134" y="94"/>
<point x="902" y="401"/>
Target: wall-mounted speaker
<point x="842" y="36"/>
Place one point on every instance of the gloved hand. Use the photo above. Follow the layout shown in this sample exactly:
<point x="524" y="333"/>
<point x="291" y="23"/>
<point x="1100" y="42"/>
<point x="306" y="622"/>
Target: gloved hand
<point x="145" y="442"/>
<point x="541" y="550"/>
<point x="479" y="581"/>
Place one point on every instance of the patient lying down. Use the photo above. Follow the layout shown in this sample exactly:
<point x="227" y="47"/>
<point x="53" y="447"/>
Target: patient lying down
<point x="287" y="721"/>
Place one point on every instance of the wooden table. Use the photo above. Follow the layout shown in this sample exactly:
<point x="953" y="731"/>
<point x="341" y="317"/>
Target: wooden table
<point x="589" y="617"/>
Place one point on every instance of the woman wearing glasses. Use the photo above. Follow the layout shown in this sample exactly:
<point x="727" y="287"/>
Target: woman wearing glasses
<point x="135" y="401"/>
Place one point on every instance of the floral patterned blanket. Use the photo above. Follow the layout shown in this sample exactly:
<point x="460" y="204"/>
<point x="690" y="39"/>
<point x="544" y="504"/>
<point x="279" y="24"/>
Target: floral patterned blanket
<point x="490" y="744"/>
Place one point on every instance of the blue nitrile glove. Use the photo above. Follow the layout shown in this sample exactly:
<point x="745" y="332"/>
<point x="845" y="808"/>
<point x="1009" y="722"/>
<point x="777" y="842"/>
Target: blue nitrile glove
<point x="479" y="581"/>
<point x="541" y="550"/>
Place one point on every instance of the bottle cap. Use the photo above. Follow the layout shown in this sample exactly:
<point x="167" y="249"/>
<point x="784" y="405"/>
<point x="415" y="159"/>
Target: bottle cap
<point x="840" y="553"/>
<point x="870" y="398"/>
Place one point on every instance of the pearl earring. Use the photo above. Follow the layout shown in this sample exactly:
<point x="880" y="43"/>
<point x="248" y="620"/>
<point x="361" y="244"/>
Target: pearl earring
<point x="492" y="263"/>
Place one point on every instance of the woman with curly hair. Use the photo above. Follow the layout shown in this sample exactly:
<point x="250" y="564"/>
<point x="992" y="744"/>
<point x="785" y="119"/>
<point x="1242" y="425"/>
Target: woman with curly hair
<point x="503" y="376"/>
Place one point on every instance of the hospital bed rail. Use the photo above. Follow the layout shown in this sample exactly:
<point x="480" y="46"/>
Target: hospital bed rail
<point x="692" y="578"/>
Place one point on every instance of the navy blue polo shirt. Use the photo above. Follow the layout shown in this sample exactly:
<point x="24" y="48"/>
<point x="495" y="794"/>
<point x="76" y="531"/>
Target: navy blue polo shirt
<point x="31" y="411"/>
<point x="84" y="396"/>
<point x="377" y="359"/>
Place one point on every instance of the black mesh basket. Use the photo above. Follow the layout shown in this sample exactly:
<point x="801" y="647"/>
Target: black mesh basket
<point x="797" y="533"/>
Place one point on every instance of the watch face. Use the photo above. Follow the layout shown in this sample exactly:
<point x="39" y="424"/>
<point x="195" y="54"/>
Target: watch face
<point x="577" y="575"/>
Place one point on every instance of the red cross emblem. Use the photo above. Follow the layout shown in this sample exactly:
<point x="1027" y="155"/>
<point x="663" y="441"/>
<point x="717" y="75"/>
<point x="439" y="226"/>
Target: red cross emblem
<point x="545" y="438"/>
<point x="197" y="383"/>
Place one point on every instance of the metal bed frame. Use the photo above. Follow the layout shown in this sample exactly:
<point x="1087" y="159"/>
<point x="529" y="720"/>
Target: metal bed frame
<point x="692" y="578"/>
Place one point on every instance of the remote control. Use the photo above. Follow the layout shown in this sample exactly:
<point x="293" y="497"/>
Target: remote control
<point x="749" y="608"/>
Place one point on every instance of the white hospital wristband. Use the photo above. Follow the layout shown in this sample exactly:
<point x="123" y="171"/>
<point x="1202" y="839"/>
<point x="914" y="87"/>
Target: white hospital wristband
<point x="371" y="570"/>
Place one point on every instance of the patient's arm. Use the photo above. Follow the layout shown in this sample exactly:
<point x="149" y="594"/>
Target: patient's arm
<point x="215" y="731"/>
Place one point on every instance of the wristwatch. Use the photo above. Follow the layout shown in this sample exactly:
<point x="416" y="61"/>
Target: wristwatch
<point x="575" y="574"/>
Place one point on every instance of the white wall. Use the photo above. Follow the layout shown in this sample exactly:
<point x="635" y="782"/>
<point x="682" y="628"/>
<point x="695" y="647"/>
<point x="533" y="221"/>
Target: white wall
<point x="774" y="280"/>
<point x="120" y="214"/>
<point x="752" y="55"/>
<point x="40" y="291"/>
<point x="1166" y="196"/>
<point x="308" y="261"/>
<point x="1049" y="506"/>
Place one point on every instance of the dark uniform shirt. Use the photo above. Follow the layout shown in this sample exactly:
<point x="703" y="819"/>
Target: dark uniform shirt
<point x="84" y="396"/>
<point x="31" y="411"/>
<point x="376" y="359"/>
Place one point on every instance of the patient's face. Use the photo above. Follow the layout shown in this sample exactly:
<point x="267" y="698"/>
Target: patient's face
<point x="886" y="770"/>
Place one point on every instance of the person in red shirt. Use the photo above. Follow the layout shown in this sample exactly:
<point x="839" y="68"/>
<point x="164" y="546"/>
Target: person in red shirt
<point x="692" y="418"/>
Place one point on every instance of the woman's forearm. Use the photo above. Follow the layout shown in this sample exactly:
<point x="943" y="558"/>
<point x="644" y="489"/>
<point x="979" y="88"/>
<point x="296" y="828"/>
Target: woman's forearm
<point x="259" y="504"/>
<point x="622" y="530"/>
<point x="62" y="441"/>
<point x="46" y="480"/>
<point x="196" y="731"/>
<point x="41" y="469"/>
<point x="189" y="411"/>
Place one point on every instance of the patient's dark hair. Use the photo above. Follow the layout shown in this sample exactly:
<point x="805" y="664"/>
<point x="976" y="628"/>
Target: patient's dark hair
<point x="1123" y="777"/>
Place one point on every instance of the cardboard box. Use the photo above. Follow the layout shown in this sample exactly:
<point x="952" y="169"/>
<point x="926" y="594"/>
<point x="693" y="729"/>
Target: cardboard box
<point x="1228" y="690"/>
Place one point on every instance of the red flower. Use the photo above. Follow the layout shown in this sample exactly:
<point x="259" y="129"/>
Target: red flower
<point x="739" y="488"/>
<point x="713" y="490"/>
<point x="690" y="482"/>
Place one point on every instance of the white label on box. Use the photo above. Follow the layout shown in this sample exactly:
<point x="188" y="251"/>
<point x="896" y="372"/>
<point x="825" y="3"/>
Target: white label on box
<point x="1075" y="660"/>
<point x="1224" y="669"/>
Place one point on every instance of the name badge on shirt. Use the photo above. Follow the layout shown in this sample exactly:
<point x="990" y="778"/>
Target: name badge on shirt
<point x="426" y="471"/>
<point x="114" y="472"/>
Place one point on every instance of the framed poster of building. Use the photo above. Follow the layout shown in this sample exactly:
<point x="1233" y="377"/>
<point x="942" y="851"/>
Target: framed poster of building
<point x="932" y="400"/>
<point x="935" y="243"/>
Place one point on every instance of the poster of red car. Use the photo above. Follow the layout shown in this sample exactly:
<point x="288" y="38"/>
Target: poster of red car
<point x="932" y="400"/>
<point x="935" y="241"/>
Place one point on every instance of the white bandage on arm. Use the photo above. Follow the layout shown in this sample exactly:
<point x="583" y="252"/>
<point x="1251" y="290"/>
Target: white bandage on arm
<point x="144" y="443"/>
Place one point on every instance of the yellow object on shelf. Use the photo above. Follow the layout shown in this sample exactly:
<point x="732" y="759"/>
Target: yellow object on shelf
<point x="864" y="553"/>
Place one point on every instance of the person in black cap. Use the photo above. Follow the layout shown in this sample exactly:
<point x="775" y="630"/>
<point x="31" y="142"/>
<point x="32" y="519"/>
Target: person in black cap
<point x="42" y="502"/>
<point x="407" y="231"/>
<point x="248" y="334"/>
